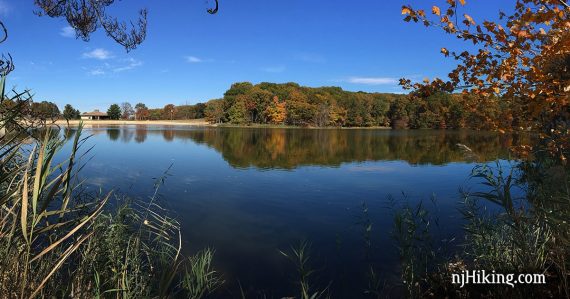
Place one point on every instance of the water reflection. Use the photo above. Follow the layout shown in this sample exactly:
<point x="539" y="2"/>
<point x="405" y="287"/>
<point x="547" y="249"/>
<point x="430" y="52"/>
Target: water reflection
<point x="140" y="134"/>
<point x="291" y="148"/>
<point x="224" y="201"/>
<point x="113" y="133"/>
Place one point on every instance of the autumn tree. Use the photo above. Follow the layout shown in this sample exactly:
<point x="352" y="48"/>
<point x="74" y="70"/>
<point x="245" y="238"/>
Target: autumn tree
<point x="141" y="111"/>
<point x="127" y="110"/>
<point x="522" y="58"/>
<point x="114" y="111"/>
<point x="214" y="111"/>
<point x="258" y="100"/>
<point x="276" y="111"/>
<point x="169" y="111"/>
<point x="337" y="116"/>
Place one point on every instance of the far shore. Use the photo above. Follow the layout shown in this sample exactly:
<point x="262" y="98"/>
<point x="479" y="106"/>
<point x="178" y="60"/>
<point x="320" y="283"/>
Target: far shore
<point x="88" y="123"/>
<point x="191" y="122"/>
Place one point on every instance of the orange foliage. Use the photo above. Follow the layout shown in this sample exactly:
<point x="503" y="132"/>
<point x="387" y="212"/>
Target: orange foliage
<point x="276" y="112"/>
<point x="523" y="58"/>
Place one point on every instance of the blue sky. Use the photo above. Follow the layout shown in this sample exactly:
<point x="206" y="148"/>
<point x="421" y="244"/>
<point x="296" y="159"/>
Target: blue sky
<point x="190" y="56"/>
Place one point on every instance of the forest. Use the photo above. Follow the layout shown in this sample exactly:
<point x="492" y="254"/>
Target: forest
<point x="295" y="105"/>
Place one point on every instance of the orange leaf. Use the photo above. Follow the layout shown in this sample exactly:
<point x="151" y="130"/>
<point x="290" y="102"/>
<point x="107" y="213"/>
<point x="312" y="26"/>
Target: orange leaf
<point x="462" y="2"/>
<point x="469" y="18"/>
<point x="406" y="11"/>
<point x="523" y="34"/>
<point x="435" y="10"/>
<point x="444" y="51"/>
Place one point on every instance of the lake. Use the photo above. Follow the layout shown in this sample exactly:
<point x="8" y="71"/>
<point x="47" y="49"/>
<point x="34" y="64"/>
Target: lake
<point x="250" y="192"/>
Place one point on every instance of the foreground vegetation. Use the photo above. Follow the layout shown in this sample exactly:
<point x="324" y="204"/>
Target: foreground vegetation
<point x="57" y="240"/>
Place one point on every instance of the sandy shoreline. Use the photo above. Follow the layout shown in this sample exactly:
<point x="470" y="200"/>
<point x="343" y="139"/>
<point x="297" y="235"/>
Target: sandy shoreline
<point x="192" y="123"/>
<point x="89" y="123"/>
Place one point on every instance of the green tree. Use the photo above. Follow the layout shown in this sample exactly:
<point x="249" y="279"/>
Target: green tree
<point x="237" y="113"/>
<point x="155" y="114"/>
<point x="230" y="96"/>
<point x="114" y="111"/>
<point x="70" y="113"/>
<point x="299" y="110"/>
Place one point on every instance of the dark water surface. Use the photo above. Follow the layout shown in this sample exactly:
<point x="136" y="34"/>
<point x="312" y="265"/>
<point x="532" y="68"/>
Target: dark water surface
<point x="249" y="193"/>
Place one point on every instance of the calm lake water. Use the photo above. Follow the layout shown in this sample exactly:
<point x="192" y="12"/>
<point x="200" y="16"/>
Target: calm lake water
<point x="249" y="193"/>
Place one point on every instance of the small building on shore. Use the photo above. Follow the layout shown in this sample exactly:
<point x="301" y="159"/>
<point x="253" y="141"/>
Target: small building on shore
<point x="95" y="115"/>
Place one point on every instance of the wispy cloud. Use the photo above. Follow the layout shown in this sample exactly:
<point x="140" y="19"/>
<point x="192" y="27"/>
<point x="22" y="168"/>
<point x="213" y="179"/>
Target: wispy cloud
<point x="193" y="59"/>
<point x="196" y="59"/>
<point x="99" y="53"/>
<point x="274" y="69"/>
<point x="372" y="80"/>
<point x="96" y="72"/>
<point x="114" y="66"/>
<point x="5" y="8"/>
<point x="67" y="31"/>
<point x="132" y="63"/>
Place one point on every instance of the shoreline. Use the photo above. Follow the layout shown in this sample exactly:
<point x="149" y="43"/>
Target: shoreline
<point x="191" y="123"/>
<point x="91" y="123"/>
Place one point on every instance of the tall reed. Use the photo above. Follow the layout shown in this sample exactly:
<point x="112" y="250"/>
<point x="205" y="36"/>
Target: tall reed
<point x="58" y="241"/>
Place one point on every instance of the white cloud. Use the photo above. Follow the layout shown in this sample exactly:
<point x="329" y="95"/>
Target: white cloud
<point x="98" y="53"/>
<point x="274" y="69"/>
<point x="96" y="72"/>
<point x="132" y="63"/>
<point x="67" y="31"/>
<point x="193" y="59"/>
<point x="372" y="80"/>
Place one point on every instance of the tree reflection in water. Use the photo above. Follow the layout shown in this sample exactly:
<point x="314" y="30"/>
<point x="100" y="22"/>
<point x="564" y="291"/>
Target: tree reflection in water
<point x="267" y="148"/>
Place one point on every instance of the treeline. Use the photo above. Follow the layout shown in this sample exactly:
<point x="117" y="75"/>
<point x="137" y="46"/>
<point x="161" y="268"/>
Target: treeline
<point x="168" y="112"/>
<point x="292" y="104"/>
<point x="46" y="110"/>
<point x="295" y="105"/>
<point x="178" y="112"/>
<point x="38" y="110"/>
